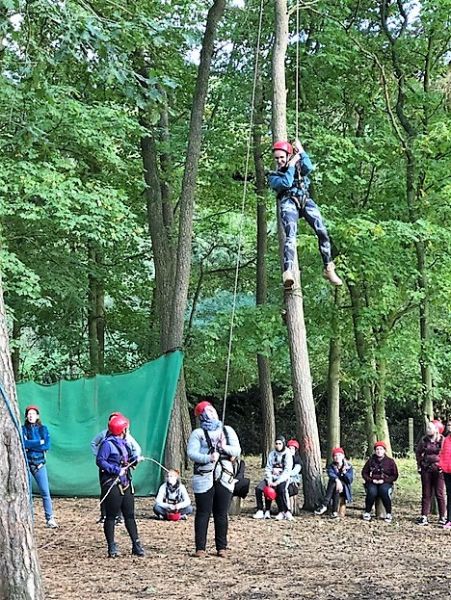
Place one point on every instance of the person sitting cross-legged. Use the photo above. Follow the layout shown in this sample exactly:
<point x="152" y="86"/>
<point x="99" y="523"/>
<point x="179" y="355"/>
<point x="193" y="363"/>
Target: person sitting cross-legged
<point x="379" y="473"/>
<point x="172" y="502"/>
<point x="341" y="475"/>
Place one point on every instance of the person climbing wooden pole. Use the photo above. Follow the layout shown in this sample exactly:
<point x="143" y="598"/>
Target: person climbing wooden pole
<point x="297" y="337"/>
<point x="291" y="183"/>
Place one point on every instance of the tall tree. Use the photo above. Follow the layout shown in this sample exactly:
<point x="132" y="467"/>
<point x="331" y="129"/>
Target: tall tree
<point x="297" y="335"/>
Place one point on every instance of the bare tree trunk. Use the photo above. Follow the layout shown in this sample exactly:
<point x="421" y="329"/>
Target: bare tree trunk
<point x="300" y="367"/>
<point x="361" y="348"/>
<point x="20" y="577"/>
<point x="333" y="381"/>
<point x="172" y="278"/>
<point x="15" y="354"/>
<point x="264" y="368"/>
<point x="96" y="315"/>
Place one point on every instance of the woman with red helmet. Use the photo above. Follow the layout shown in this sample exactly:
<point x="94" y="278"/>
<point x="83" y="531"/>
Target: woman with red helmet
<point x="114" y="459"/>
<point x="432" y="482"/>
<point x="95" y="445"/>
<point x="291" y="184"/>
<point x="37" y="441"/>
<point x="214" y="448"/>
<point x="295" y="476"/>
<point x="341" y="475"/>
<point x="277" y="475"/>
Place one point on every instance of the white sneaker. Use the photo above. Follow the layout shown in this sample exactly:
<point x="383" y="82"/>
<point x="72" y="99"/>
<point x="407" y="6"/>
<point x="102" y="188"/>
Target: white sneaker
<point x="388" y="518"/>
<point x="51" y="523"/>
<point x="280" y="516"/>
<point x="267" y="514"/>
<point x="321" y="510"/>
<point x="289" y="516"/>
<point x="366" y="516"/>
<point x="334" y="515"/>
<point x="259" y="515"/>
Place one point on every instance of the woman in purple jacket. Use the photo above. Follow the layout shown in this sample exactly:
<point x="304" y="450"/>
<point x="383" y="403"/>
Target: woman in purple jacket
<point x="432" y="482"/>
<point x="114" y="459"/>
<point x="379" y="474"/>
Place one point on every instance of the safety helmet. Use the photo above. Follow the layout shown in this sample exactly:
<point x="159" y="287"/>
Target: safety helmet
<point x="173" y="516"/>
<point x="200" y="407"/>
<point x="31" y="407"/>
<point x="282" y="145"/>
<point x="269" y="493"/>
<point x="113" y="414"/>
<point x="293" y="444"/>
<point x="118" y="424"/>
<point x="439" y="425"/>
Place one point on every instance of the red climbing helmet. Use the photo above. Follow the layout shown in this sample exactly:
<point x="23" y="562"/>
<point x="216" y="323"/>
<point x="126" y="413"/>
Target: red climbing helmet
<point x="269" y="493"/>
<point x="118" y="424"/>
<point x="439" y="426"/>
<point x="286" y="146"/>
<point x="173" y="516"/>
<point x="293" y="444"/>
<point x="200" y="407"/>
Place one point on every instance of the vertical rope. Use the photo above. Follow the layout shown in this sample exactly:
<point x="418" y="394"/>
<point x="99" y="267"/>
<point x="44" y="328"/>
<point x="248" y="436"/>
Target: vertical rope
<point x="297" y="69"/>
<point x="243" y="205"/>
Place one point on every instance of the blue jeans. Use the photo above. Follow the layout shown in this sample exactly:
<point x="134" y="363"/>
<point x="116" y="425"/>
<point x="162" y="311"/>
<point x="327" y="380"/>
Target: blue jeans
<point x="42" y="480"/>
<point x="289" y="215"/>
<point x="384" y="491"/>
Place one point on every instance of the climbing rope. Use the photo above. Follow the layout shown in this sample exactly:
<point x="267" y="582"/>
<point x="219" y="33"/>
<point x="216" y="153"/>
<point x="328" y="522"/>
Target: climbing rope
<point x="243" y="206"/>
<point x="297" y="69"/>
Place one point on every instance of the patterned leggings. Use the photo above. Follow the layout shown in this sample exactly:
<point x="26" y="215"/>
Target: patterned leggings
<point x="289" y="215"/>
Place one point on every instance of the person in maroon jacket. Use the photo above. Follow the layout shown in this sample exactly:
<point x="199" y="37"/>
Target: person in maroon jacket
<point x="379" y="473"/>
<point x="444" y="463"/>
<point x="432" y="482"/>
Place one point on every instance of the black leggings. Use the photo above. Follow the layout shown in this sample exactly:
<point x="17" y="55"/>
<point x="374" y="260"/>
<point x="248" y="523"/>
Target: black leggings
<point x="332" y="495"/>
<point x="217" y="500"/>
<point x="447" y="478"/>
<point x="115" y="503"/>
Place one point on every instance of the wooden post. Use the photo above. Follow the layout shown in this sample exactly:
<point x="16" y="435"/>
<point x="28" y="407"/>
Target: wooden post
<point x="411" y="438"/>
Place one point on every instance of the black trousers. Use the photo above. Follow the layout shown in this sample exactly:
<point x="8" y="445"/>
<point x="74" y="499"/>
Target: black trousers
<point x="383" y="491"/>
<point x="217" y="501"/>
<point x="281" y="498"/>
<point x="332" y="496"/>
<point x="115" y="503"/>
<point x="447" y="478"/>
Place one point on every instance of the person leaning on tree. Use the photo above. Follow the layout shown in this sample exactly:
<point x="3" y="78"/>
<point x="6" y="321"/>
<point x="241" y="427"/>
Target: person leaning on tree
<point x="292" y="185"/>
<point x="432" y="482"/>
<point x="379" y="473"/>
<point x="214" y="449"/>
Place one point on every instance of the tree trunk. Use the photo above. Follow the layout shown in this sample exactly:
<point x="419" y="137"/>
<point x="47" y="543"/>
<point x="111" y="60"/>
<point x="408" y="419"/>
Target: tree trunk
<point x="264" y="368"/>
<point x="382" y="431"/>
<point x="333" y="381"/>
<point x="96" y="315"/>
<point x="15" y="354"/>
<point x="172" y="277"/>
<point x="20" y="577"/>
<point x="361" y="348"/>
<point x="300" y="367"/>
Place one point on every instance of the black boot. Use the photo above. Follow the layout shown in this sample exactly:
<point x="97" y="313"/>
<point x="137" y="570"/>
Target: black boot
<point x="137" y="549"/>
<point x="113" y="551"/>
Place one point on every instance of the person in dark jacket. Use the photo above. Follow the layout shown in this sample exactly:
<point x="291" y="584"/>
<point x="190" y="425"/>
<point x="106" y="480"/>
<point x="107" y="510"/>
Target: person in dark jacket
<point x="379" y="473"/>
<point x="37" y="442"/>
<point x="291" y="184"/>
<point x="341" y="475"/>
<point x="115" y="459"/>
<point x="432" y="482"/>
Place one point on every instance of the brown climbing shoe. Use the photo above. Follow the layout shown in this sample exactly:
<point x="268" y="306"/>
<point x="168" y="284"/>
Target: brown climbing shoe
<point x="329" y="273"/>
<point x="222" y="553"/>
<point x="200" y="554"/>
<point x="288" y="279"/>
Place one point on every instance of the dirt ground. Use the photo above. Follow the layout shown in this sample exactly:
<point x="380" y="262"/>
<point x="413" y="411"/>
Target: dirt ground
<point x="310" y="557"/>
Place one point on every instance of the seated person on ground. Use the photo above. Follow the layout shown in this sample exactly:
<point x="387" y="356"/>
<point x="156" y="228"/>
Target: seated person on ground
<point x="379" y="473"/>
<point x="172" y="501"/>
<point x="277" y="475"/>
<point x="341" y="474"/>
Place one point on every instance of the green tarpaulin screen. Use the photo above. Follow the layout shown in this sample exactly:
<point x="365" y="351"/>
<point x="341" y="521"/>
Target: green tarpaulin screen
<point x="75" y="411"/>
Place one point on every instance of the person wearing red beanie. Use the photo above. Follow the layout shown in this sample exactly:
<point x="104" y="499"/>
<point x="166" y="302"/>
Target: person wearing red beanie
<point x="379" y="473"/>
<point x="341" y="475"/>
